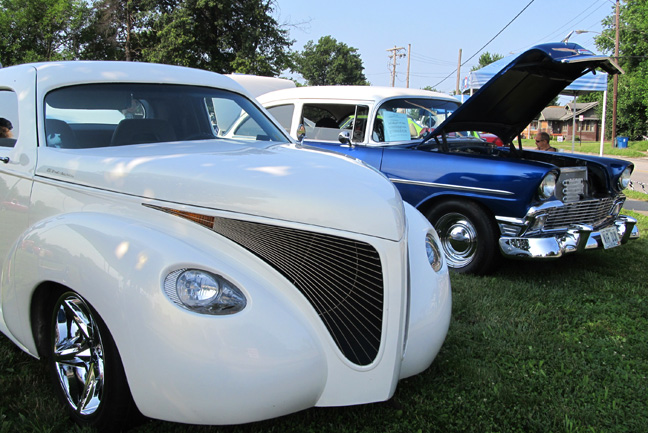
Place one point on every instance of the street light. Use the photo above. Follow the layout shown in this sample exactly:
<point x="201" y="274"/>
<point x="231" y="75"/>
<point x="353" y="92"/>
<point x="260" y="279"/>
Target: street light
<point x="580" y="32"/>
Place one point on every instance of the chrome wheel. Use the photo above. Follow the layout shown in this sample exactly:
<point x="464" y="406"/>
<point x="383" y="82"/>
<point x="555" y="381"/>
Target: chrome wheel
<point x="469" y="235"/>
<point x="77" y="354"/>
<point x="458" y="237"/>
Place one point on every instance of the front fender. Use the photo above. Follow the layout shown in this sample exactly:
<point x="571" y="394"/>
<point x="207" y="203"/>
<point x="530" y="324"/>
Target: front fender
<point x="176" y="360"/>
<point x="430" y="303"/>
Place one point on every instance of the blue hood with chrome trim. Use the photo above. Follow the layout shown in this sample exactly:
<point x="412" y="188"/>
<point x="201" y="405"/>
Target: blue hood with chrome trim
<point x="509" y="101"/>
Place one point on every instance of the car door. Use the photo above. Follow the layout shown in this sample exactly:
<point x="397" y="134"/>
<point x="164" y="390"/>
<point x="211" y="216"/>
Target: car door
<point x="17" y="161"/>
<point x="323" y="122"/>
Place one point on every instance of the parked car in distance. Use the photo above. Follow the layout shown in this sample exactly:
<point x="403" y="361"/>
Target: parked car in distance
<point x="163" y="264"/>
<point x="482" y="199"/>
<point x="491" y="138"/>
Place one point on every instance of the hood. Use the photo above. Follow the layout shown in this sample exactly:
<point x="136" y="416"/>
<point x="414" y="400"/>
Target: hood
<point x="509" y="101"/>
<point x="284" y="182"/>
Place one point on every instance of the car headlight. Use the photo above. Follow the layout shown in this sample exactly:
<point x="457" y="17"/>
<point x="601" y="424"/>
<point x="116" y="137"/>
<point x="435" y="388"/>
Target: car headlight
<point x="433" y="252"/>
<point x="547" y="186"/>
<point x="624" y="179"/>
<point x="203" y="292"/>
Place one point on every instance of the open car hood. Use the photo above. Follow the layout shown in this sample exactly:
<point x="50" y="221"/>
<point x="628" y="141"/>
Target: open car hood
<point x="509" y="101"/>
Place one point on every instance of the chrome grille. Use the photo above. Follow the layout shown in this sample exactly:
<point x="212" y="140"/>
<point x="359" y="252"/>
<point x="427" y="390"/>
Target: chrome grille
<point x="592" y="212"/>
<point x="341" y="278"/>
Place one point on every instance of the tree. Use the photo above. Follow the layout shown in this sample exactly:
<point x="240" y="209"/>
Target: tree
<point x="632" y="100"/>
<point x="486" y="59"/>
<point x="329" y="62"/>
<point x="40" y="30"/>
<point x="217" y="35"/>
<point x="114" y="30"/>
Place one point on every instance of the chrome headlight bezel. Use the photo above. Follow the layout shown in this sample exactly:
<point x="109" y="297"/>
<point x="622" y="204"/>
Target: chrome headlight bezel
<point x="433" y="251"/>
<point x="624" y="179"/>
<point x="547" y="186"/>
<point x="204" y="292"/>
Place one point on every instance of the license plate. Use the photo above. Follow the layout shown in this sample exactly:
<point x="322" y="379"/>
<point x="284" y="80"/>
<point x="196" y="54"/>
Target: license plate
<point x="610" y="237"/>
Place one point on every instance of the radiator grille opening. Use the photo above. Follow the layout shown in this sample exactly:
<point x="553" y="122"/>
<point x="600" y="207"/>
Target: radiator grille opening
<point x="592" y="212"/>
<point x="341" y="278"/>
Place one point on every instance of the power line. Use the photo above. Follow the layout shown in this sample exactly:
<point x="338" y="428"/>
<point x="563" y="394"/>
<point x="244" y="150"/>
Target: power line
<point x="487" y="43"/>
<point x="560" y="32"/>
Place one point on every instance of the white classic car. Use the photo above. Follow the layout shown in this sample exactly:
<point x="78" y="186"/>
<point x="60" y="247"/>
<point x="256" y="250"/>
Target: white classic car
<point x="162" y="265"/>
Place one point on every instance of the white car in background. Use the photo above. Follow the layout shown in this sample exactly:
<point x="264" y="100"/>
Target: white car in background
<point x="160" y="266"/>
<point x="487" y="202"/>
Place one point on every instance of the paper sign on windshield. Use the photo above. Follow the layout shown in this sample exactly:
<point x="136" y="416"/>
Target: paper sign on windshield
<point x="396" y="126"/>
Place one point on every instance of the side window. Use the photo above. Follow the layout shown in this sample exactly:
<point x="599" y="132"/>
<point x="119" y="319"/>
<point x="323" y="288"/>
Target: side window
<point x="240" y="119"/>
<point x="283" y="114"/>
<point x="325" y="121"/>
<point x="249" y="128"/>
<point x="8" y="118"/>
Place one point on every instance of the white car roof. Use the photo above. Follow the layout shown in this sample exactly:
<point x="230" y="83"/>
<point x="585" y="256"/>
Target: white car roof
<point x="51" y="75"/>
<point x="340" y="93"/>
<point x="258" y="85"/>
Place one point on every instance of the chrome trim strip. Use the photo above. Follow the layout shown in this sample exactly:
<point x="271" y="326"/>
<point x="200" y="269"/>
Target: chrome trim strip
<point x="454" y="187"/>
<point x="510" y="220"/>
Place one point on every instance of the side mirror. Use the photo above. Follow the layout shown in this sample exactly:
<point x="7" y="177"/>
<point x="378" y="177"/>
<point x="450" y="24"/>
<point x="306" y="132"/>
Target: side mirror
<point x="301" y="133"/>
<point x="345" y="137"/>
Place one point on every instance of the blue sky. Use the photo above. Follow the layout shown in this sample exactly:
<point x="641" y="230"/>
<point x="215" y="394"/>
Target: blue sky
<point x="437" y="30"/>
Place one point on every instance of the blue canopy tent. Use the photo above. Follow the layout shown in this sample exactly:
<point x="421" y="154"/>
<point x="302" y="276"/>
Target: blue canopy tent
<point x="590" y="82"/>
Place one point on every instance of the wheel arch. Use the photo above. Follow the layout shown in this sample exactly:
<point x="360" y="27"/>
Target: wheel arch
<point x="80" y="253"/>
<point x="476" y="251"/>
<point x="43" y="298"/>
<point x="425" y="206"/>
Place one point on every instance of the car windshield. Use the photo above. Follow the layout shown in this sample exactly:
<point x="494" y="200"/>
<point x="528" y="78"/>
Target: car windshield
<point x="100" y="115"/>
<point x="405" y="119"/>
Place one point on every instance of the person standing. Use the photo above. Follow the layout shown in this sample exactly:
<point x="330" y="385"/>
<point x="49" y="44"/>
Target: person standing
<point x="542" y="142"/>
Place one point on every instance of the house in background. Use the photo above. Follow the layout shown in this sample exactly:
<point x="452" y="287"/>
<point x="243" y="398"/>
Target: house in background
<point x="558" y="122"/>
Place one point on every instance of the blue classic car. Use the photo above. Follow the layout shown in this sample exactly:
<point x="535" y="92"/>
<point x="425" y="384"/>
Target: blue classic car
<point x="482" y="199"/>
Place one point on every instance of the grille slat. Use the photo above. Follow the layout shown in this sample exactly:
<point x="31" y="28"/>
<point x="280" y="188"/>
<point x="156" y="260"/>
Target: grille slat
<point x="592" y="212"/>
<point x="341" y="278"/>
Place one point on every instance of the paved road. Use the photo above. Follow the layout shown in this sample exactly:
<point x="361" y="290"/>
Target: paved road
<point x="640" y="183"/>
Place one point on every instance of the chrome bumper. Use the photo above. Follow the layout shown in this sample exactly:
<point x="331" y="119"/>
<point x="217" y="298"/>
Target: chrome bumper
<point x="577" y="238"/>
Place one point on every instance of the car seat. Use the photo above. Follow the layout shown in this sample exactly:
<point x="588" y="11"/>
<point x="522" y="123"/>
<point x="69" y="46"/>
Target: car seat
<point x="59" y="134"/>
<point x="137" y="131"/>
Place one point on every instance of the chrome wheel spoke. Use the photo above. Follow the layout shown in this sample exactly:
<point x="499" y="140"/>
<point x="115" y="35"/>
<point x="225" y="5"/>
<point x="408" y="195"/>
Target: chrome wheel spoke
<point x="77" y="354"/>
<point x="87" y="397"/>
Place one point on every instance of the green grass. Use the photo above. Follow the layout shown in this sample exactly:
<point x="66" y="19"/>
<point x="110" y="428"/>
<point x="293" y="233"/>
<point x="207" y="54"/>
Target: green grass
<point x="635" y="149"/>
<point x="639" y="194"/>
<point x="552" y="346"/>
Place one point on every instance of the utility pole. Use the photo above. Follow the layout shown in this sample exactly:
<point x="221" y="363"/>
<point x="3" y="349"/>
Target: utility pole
<point x="394" y="55"/>
<point x="615" y="85"/>
<point x="409" y="52"/>
<point x="457" y="92"/>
